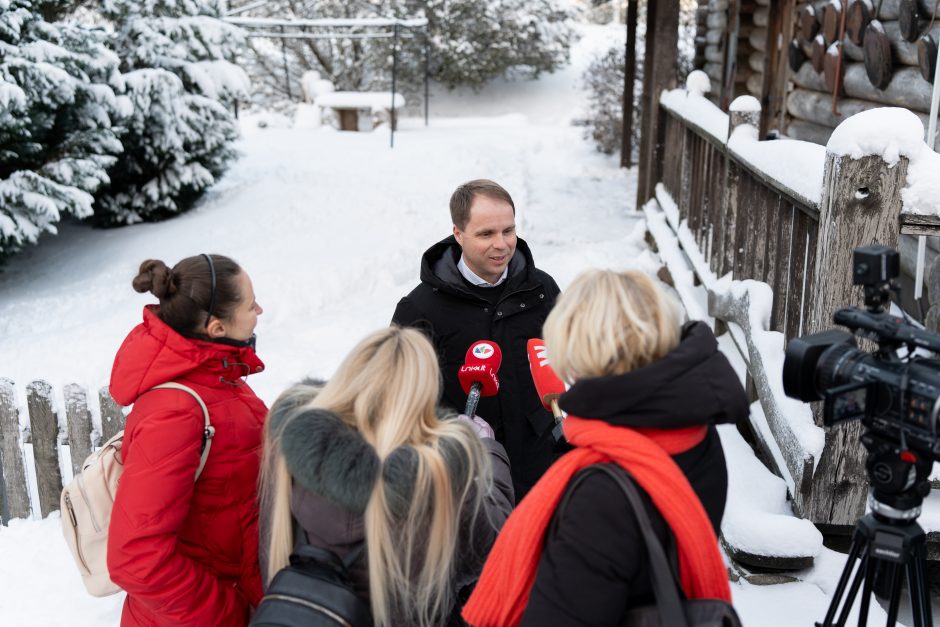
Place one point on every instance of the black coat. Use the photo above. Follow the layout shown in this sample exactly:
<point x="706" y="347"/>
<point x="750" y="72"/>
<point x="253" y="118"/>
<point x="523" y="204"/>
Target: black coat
<point x="595" y="565"/>
<point x="455" y="316"/>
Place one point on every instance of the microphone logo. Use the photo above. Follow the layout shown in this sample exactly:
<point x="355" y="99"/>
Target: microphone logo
<point x="483" y="351"/>
<point x="541" y="354"/>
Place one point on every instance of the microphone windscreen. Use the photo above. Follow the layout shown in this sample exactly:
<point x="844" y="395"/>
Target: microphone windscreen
<point x="547" y="384"/>
<point x="485" y="352"/>
<point x="480" y="366"/>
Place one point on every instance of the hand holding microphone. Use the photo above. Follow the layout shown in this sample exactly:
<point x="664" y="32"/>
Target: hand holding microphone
<point x="477" y="376"/>
<point x="548" y="386"/>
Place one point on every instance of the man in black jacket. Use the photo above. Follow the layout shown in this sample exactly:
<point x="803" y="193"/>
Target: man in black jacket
<point x="482" y="284"/>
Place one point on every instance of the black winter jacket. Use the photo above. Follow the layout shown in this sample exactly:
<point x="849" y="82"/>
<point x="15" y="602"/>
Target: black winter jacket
<point x="595" y="565"/>
<point x="454" y="317"/>
<point x="333" y="470"/>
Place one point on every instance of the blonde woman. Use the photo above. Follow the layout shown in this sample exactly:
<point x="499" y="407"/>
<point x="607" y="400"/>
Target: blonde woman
<point x="645" y="395"/>
<point x="367" y="458"/>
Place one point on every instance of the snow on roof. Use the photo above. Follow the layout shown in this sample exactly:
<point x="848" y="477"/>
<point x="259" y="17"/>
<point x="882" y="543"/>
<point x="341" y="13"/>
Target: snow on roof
<point x="360" y="99"/>
<point x="892" y="133"/>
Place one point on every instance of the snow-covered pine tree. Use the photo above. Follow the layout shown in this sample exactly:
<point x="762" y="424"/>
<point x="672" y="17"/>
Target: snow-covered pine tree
<point x="56" y="110"/>
<point x="181" y="80"/>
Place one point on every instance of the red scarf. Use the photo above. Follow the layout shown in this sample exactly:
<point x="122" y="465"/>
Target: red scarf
<point x="502" y="593"/>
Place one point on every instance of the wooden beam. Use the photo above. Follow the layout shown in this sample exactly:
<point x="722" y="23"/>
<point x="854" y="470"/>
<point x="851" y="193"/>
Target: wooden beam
<point x="629" y="78"/>
<point x="659" y="73"/>
<point x="774" y="89"/>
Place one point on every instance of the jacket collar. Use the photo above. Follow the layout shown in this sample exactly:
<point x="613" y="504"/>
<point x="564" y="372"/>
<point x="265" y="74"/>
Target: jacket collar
<point x="439" y="268"/>
<point x="692" y="385"/>
<point x="153" y="353"/>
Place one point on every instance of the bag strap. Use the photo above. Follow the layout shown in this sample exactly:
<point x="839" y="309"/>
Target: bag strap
<point x="209" y="431"/>
<point x="663" y="580"/>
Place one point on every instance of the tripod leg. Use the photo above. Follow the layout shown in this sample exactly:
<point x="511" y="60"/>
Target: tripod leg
<point x="853" y="591"/>
<point x="919" y="588"/>
<point x="866" y="593"/>
<point x="917" y="608"/>
<point x="894" y="595"/>
<point x="858" y="544"/>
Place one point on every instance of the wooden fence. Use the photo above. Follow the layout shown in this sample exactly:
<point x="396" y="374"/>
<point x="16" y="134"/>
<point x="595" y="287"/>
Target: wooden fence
<point x="747" y="222"/>
<point x="46" y="438"/>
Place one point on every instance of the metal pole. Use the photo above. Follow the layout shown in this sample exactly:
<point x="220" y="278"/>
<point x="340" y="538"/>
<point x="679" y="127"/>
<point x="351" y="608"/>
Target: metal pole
<point x="290" y="96"/>
<point x="427" y="70"/>
<point x="394" y="78"/>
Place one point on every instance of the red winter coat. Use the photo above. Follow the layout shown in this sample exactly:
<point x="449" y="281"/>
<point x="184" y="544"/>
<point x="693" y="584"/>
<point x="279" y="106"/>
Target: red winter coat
<point x="186" y="552"/>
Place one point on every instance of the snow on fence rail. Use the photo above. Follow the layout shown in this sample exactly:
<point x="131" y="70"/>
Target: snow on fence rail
<point x="787" y="214"/>
<point x="46" y="440"/>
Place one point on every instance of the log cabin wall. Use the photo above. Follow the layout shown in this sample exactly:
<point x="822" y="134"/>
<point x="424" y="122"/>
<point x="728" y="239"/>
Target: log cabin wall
<point x="884" y="61"/>
<point x="716" y="45"/>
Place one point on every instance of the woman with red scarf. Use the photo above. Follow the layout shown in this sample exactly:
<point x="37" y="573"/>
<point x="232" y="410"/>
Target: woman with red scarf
<point x="186" y="549"/>
<point x="645" y="394"/>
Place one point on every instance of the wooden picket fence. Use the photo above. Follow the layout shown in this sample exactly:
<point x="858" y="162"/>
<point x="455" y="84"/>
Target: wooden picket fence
<point x="46" y="438"/>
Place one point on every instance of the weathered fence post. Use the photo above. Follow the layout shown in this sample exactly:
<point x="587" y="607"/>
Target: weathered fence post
<point x="44" y="430"/>
<point x="112" y="418"/>
<point x="861" y="205"/>
<point x="14" y="497"/>
<point x="79" y="421"/>
<point x="743" y="111"/>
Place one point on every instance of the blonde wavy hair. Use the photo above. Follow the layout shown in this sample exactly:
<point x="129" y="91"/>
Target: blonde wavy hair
<point x="608" y="323"/>
<point x="387" y="389"/>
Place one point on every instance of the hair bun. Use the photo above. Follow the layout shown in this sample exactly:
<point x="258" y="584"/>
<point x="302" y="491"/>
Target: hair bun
<point x="155" y="277"/>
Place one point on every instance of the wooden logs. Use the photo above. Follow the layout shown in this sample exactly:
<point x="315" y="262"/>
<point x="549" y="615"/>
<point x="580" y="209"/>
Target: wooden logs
<point x="755" y="61"/>
<point x="79" y="423"/>
<point x="910" y="20"/>
<point x="713" y="54"/>
<point x="907" y="88"/>
<point x="761" y="17"/>
<point x="879" y="64"/>
<point x="112" y="418"/>
<point x="795" y="55"/>
<point x="860" y="14"/>
<point x="717" y="21"/>
<point x="831" y="20"/>
<point x="833" y="68"/>
<point x="809" y="131"/>
<point x="815" y="106"/>
<point x="755" y="83"/>
<point x="809" y="23"/>
<point x="890" y="9"/>
<point x="902" y="52"/>
<point x="818" y="56"/>
<point x="44" y="432"/>
<point x="927" y="57"/>
<point x="758" y="39"/>
<point x="14" y="497"/>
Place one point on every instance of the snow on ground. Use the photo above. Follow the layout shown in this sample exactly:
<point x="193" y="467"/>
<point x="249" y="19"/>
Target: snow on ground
<point x="331" y="226"/>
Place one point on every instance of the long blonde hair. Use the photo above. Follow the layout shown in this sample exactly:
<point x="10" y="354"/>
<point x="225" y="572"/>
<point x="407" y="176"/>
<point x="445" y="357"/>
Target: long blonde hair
<point x="608" y="323"/>
<point x="387" y="389"/>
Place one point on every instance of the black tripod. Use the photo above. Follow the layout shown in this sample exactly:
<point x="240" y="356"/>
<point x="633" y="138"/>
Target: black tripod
<point x="889" y="541"/>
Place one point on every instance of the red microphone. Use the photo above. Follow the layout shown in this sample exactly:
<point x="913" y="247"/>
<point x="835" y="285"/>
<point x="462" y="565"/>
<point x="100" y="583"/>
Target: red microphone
<point x="477" y="375"/>
<point x="547" y="384"/>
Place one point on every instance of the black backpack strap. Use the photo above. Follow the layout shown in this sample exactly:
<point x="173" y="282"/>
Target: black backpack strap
<point x="663" y="578"/>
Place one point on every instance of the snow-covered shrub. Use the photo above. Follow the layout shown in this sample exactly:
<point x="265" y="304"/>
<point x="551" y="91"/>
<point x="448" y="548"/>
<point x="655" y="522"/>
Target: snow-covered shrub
<point x="180" y="76"/>
<point x="471" y="42"/>
<point x="57" y="105"/>
<point x="604" y="80"/>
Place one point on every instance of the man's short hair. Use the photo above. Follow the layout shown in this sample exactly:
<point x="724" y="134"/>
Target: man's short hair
<point x="463" y="196"/>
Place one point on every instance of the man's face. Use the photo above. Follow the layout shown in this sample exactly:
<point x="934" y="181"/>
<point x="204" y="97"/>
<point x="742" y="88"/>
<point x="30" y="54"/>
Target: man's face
<point x="489" y="239"/>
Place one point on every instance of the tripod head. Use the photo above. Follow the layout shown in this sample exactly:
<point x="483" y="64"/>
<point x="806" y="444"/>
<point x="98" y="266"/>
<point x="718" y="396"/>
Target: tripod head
<point x="898" y="477"/>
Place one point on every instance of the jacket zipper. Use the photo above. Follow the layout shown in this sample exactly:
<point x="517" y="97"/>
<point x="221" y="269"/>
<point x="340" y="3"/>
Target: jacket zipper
<point x="81" y="490"/>
<point x="314" y="606"/>
<point x="78" y="544"/>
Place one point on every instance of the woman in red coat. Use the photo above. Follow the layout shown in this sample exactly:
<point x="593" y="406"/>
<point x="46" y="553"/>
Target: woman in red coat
<point x="186" y="551"/>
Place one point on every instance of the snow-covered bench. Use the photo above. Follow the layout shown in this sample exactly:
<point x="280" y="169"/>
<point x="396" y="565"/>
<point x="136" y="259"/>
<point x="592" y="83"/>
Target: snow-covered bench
<point x="359" y="111"/>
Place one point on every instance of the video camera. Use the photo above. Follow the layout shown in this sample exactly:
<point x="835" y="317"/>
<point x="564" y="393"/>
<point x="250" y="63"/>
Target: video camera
<point x="896" y="397"/>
